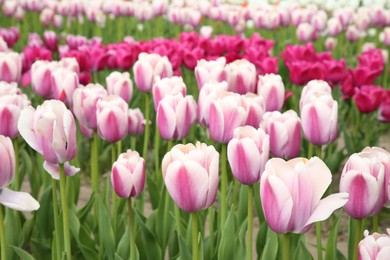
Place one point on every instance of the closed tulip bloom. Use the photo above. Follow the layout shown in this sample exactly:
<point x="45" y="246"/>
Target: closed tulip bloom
<point x="84" y="104"/>
<point x="330" y="43"/>
<point x="50" y="130"/>
<point x="363" y="177"/>
<point x="226" y="114"/>
<point x="168" y="86"/>
<point x="291" y="193"/>
<point x="41" y="81"/>
<point x="175" y="115"/>
<point x="112" y="118"/>
<point x="21" y="201"/>
<point x="207" y="95"/>
<point x="241" y="76"/>
<point x="64" y="83"/>
<point x="50" y="40"/>
<point x="375" y="246"/>
<point x="190" y="174"/>
<point x="284" y="130"/>
<point x="9" y="88"/>
<point x="368" y="98"/>
<point x="10" y="108"/>
<point x="319" y="115"/>
<point x="136" y="122"/>
<point x="128" y="174"/>
<point x="305" y="32"/>
<point x="353" y="34"/>
<point x="148" y="67"/>
<point x="247" y="153"/>
<point x="386" y="36"/>
<point x="120" y="84"/>
<point x="271" y="88"/>
<point x="254" y="105"/>
<point x="318" y="21"/>
<point x="210" y="71"/>
<point x="10" y="67"/>
<point x="334" y="26"/>
<point x="314" y="87"/>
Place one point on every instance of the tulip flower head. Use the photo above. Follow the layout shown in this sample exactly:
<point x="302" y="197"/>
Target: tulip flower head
<point x="190" y="174"/>
<point x="291" y="193"/>
<point x="120" y="84"/>
<point x="271" y="88"/>
<point x="375" y="246"/>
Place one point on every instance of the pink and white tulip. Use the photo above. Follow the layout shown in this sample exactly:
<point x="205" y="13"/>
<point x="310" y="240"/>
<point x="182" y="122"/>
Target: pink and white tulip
<point x="120" y="84"/>
<point x="271" y="88"/>
<point x="136" y="122"/>
<point x="10" y="108"/>
<point x="63" y="83"/>
<point x="191" y="175"/>
<point x="210" y="71"/>
<point x="241" y="76"/>
<point x="10" y="67"/>
<point x="168" y="86"/>
<point x="291" y="193"/>
<point x="375" y="246"/>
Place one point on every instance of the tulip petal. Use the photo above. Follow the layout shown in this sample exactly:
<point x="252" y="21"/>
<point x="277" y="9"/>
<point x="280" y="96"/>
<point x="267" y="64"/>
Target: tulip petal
<point x="278" y="138"/>
<point x="187" y="183"/>
<point x="166" y="120"/>
<point x="320" y="179"/>
<point x="21" y="201"/>
<point x="326" y="207"/>
<point x="25" y="127"/>
<point x="277" y="203"/>
<point x="54" y="170"/>
<point x="216" y="122"/>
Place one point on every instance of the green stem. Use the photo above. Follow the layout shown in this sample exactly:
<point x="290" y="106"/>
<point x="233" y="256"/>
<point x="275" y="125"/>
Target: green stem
<point x="286" y="246"/>
<point x="169" y="146"/>
<point x="147" y="127"/>
<point x="16" y="182"/>
<point x="118" y="147"/>
<point x="375" y="223"/>
<point x="132" y="230"/>
<point x="65" y="212"/>
<point x="178" y="221"/>
<point x="319" y="152"/>
<point x="95" y="163"/>
<point x="195" y="249"/>
<point x="157" y="155"/>
<point x="113" y="194"/>
<point x="2" y="235"/>
<point x="211" y="225"/>
<point x="310" y="151"/>
<point x="56" y="220"/>
<point x="133" y="143"/>
<point x="319" y="241"/>
<point x="358" y="235"/>
<point x="223" y="186"/>
<point x="250" y="222"/>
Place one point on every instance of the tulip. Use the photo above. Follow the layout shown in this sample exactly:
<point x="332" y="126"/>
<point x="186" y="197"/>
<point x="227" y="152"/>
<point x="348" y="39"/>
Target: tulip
<point x="314" y="87"/>
<point x="10" y="108"/>
<point x="330" y="43"/>
<point x="15" y="200"/>
<point x="112" y="118"/>
<point x="271" y="88"/>
<point x="368" y="98"/>
<point x="206" y="31"/>
<point x="284" y="131"/>
<point x="363" y="177"/>
<point x="128" y="174"/>
<point x="206" y="96"/>
<point x="226" y="114"/>
<point x="254" y="105"/>
<point x="190" y="174"/>
<point x="168" y="86"/>
<point x="318" y="21"/>
<point x="334" y="26"/>
<point x="136" y="122"/>
<point x="10" y="67"/>
<point x="291" y="192"/>
<point x="50" y="40"/>
<point x="375" y="246"/>
<point x="319" y="118"/>
<point x="84" y="104"/>
<point x="41" y="81"/>
<point x="241" y="76"/>
<point x="148" y="67"/>
<point x="9" y="88"/>
<point x="353" y="34"/>
<point x="64" y="83"/>
<point x="386" y="36"/>
<point x="50" y="130"/>
<point x="247" y="153"/>
<point x="306" y="32"/>
<point x="210" y="71"/>
<point x="175" y="115"/>
<point x="120" y="84"/>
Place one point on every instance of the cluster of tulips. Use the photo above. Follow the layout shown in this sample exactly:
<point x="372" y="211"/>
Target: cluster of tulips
<point x="199" y="145"/>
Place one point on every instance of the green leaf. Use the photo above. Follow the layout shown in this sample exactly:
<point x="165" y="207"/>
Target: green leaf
<point x="24" y="255"/>
<point x="243" y="204"/>
<point x="331" y="245"/>
<point x="84" y="211"/>
<point x="123" y="249"/>
<point x="86" y="244"/>
<point x="12" y="228"/>
<point x="74" y="223"/>
<point x="185" y="252"/>
<point x="106" y="234"/>
<point x="261" y="239"/>
<point x="271" y="246"/>
<point x="301" y="252"/>
<point x="149" y="241"/>
<point x="165" y="221"/>
<point x="44" y="216"/>
<point x="226" y="247"/>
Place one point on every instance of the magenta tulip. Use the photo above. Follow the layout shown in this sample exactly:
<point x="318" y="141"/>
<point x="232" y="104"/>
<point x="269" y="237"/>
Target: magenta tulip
<point x="363" y="177"/>
<point x="168" y="86"/>
<point x="191" y="175"/>
<point x="284" y="131"/>
<point x="247" y="153"/>
<point x="128" y="174"/>
<point x="120" y="84"/>
<point x="374" y="247"/>
<point x="112" y="118"/>
<point x="271" y="88"/>
<point x="175" y="115"/>
<point x="50" y="130"/>
<point x="291" y="193"/>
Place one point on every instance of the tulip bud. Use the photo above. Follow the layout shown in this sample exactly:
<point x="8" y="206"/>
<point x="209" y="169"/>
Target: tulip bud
<point x="210" y="71"/>
<point x="10" y="67"/>
<point x="128" y="175"/>
<point x="191" y="175"/>
<point x="7" y="156"/>
<point x="271" y="88"/>
<point x="10" y="108"/>
<point x="136" y="122"/>
<point x="168" y="86"/>
<point x="254" y="105"/>
<point x="284" y="131"/>
<point x="334" y="26"/>
<point x="64" y="82"/>
<point x="112" y="118"/>
<point x="330" y="43"/>
<point x="241" y="76"/>
<point x="305" y="32"/>
<point x="120" y="84"/>
<point x="247" y="153"/>
<point x="291" y="192"/>
<point x="368" y="98"/>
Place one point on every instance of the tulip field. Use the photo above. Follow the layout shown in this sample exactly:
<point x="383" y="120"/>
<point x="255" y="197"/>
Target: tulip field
<point x="179" y="129"/>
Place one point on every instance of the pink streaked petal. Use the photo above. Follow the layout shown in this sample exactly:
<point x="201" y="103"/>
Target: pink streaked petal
<point x="26" y="128"/>
<point x="216" y="122"/>
<point x="166" y="121"/>
<point x="187" y="183"/>
<point x="278" y="138"/>
<point x="121" y="180"/>
<point x="383" y="254"/>
<point x="311" y="124"/>
<point x="54" y="170"/>
<point x="21" y="201"/>
<point x="143" y="76"/>
<point x="213" y="172"/>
